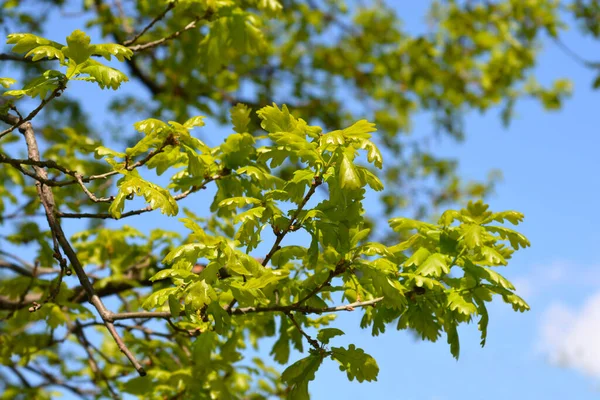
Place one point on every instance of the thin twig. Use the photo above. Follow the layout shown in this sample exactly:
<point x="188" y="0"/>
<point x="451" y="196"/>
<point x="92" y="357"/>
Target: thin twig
<point x="313" y="342"/>
<point x="276" y="246"/>
<point x="146" y="209"/>
<point x="150" y="25"/>
<point x="80" y="335"/>
<point x="191" y="25"/>
<point x="306" y="309"/>
<point x="55" y="381"/>
<point x="55" y="93"/>
<point x="574" y="55"/>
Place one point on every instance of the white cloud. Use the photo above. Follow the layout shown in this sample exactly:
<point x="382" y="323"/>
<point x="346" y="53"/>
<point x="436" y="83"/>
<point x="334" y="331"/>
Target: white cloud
<point x="571" y="338"/>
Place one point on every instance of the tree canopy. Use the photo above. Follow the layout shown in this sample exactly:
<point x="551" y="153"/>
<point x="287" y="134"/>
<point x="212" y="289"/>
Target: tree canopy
<point x="319" y="97"/>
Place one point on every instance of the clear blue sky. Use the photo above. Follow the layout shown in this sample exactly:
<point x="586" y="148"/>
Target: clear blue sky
<point x="549" y="162"/>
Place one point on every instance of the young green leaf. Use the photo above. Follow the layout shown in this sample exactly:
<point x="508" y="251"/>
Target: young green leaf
<point x="356" y="363"/>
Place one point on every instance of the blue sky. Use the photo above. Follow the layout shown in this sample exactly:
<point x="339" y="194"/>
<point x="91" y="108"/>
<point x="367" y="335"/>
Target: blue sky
<point x="549" y="163"/>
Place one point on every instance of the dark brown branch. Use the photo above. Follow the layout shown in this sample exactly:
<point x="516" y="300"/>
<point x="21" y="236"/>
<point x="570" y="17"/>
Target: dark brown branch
<point x="47" y="198"/>
<point x="314" y="343"/>
<point x="26" y="271"/>
<point x="20" y="376"/>
<point x="13" y="57"/>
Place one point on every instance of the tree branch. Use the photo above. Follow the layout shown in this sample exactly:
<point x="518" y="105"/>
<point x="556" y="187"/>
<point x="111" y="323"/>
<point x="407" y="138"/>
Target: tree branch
<point x="145" y="209"/>
<point x="191" y="25"/>
<point x="316" y="182"/>
<point x="20" y="121"/>
<point x="150" y="25"/>
<point x="47" y="198"/>
<point x="314" y="343"/>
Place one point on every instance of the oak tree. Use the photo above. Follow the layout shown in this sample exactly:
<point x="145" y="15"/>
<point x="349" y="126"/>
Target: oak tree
<point x="318" y="97"/>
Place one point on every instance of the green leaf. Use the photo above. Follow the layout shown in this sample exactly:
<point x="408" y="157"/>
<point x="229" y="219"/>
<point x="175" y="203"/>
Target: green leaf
<point x="477" y="211"/>
<point x="418" y="257"/>
<point x="276" y="120"/>
<point x="281" y="347"/>
<point x="422" y="321"/>
<point x="39" y="86"/>
<point x="472" y="236"/>
<point x="49" y="52"/>
<point x="483" y="321"/>
<point x="373" y="154"/>
<point x="151" y="126"/>
<point x="491" y="256"/>
<point x="516" y="239"/>
<point x="299" y="374"/>
<point x="273" y="7"/>
<point x="25" y="42"/>
<point x="456" y="302"/>
<point x="158" y="298"/>
<point x="198" y="294"/>
<point x="326" y="334"/>
<point x="518" y="304"/>
<point x="356" y="363"/>
<point x="102" y="151"/>
<point x="137" y="386"/>
<point x="402" y="224"/>
<point x="491" y="276"/>
<point x="453" y="340"/>
<point x="513" y="217"/>
<point x="174" y="305"/>
<point x="221" y="317"/>
<point x="348" y="176"/>
<point x="359" y="130"/>
<point x="370" y="179"/>
<point x="448" y="217"/>
<point x="238" y="150"/>
<point x="194" y="122"/>
<point x="435" y="265"/>
<point x="240" y="117"/>
<point x="156" y="197"/>
<point x="6" y="82"/>
<point x="111" y="49"/>
<point x="239" y="202"/>
<point x="101" y="74"/>
<point x="78" y="47"/>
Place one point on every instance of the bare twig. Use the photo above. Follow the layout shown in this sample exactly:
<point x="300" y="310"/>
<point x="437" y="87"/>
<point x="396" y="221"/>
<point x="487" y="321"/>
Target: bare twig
<point x="575" y="56"/>
<point x="191" y="25"/>
<point x="170" y="6"/>
<point x="55" y="381"/>
<point x="306" y="309"/>
<point x="314" y="343"/>
<point x="126" y="26"/>
<point x="80" y="335"/>
<point x="19" y="375"/>
<point x="141" y="210"/>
